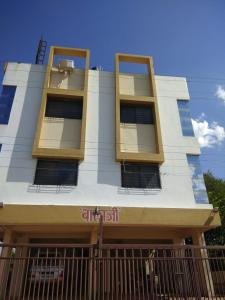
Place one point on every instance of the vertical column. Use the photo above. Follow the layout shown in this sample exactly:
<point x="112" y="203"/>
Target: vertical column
<point x="5" y="262"/>
<point x="19" y="266"/>
<point x="179" y="265"/>
<point x="93" y="266"/>
<point x="205" y="276"/>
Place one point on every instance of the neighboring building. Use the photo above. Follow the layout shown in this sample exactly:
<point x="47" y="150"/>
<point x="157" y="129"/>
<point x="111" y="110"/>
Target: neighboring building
<point x="73" y="140"/>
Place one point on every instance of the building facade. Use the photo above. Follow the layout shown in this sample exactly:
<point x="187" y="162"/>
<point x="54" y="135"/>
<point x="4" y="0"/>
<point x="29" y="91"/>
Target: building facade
<point x="75" y="139"/>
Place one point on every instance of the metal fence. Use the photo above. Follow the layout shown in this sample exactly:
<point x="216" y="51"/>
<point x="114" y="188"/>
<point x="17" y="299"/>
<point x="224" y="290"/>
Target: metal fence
<point x="80" y="271"/>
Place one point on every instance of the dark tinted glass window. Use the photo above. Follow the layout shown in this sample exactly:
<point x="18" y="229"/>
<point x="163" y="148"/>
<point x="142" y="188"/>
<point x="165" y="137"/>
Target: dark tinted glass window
<point x="56" y="172"/>
<point x="61" y="108"/>
<point x="140" y="176"/>
<point x="0" y="147"/>
<point x="6" y="101"/>
<point x="139" y="114"/>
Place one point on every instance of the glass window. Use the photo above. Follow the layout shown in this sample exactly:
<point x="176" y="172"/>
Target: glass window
<point x="56" y="172"/>
<point x="139" y="114"/>
<point x="0" y="147"/>
<point x="140" y="176"/>
<point x="185" y="118"/>
<point x="62" y="108"/>
<point x="198" y="183"/>
<point x="6" y="101"/>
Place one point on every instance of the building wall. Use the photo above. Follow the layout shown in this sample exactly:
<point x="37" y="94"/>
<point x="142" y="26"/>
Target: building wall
<point x="60" y="133"/>
<point x="134" y="85"/>
<point x="137" y="137"/>
<point x="99" y="179"/>
<point x="61" y="80"/>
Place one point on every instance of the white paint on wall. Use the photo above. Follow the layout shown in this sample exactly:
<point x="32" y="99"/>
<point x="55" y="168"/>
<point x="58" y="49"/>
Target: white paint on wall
<point x="99" y="181"/>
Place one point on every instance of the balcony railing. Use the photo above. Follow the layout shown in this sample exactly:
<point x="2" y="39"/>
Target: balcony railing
<point x="83" y="271"/>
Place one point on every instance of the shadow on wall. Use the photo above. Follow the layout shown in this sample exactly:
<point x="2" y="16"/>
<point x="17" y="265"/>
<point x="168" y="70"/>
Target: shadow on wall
<point x="22" y="166"/>
<point x="108" y="168"/>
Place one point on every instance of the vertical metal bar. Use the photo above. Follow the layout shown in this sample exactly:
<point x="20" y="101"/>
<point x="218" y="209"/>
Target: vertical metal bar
<point x="39" y="283"/>
<point x="57" y="265"/>
<point x="125" y="272"/>
<point x="54" y="266"/>
<point x="45" y="257"/>
<point x="136" y="258"/>
<point x="50" y="272"/>
<point x="17" y="263"/>
<point x="196" y="275"/>
<point x="121" y="276"/>
<point x="117" y="279"/>
<point x="30" y="278"/>
<point x="67" y="270"/>
<point x="143" y="275"/>
<point x="26" y="276"/>
<point x="23" y="263"/>
<point x="72" y="274"/>
<point x="108" y="273"/>
<point x="76" y="280"/>
<point x="145" y="265"/>
<point x="6" y="262"/>
<point x="85" y="277"/>
<point x="133" y="274"/>
<point x="130" y="279"/>
<point x="113" y="275"/>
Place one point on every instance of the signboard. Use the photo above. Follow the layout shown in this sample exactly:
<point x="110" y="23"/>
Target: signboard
<point x="109" y="215"/>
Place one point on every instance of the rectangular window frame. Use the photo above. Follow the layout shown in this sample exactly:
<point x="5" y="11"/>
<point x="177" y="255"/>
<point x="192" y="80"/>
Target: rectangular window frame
<point x="61" y="107"/>
<point x="185" y="118"/>
<point x="6" y="101"/>
<point x="197" y="178"/>
<point x="138" y="183"/>
<point x="41" y="174"/>
<point x="136" y="114"/>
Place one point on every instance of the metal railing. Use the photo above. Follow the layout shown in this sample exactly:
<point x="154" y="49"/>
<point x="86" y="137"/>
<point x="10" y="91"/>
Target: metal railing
<point x="83" y="271"/>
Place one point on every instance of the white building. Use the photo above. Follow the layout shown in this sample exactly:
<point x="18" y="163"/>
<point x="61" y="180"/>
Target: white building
<point x="120" y="142"/>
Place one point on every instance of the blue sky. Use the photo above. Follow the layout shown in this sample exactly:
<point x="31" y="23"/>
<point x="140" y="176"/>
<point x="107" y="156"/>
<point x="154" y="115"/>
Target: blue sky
<point x="185" y="38"/>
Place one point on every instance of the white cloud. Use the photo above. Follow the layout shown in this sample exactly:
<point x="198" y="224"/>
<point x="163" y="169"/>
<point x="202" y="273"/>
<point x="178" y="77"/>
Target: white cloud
<point x="220" y="93"/>
<point x="208" y="135"/>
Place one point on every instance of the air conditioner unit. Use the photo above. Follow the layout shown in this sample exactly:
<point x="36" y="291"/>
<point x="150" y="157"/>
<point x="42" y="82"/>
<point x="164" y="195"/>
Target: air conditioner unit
<point x="66" y="65"/>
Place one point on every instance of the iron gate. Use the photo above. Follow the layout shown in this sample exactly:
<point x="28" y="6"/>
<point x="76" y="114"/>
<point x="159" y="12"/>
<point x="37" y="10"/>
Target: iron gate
<point x="83" y="271"/>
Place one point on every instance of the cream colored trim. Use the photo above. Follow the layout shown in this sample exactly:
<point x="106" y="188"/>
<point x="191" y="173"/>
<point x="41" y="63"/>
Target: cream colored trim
<point x="62" y="153"/>
<point x="148" y="100"/>
<point x="71" y="215"/>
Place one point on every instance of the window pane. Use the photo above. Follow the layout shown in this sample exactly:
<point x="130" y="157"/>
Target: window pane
<point x="198" y="183"/>
<point x="136" y="114"/>
<point x="6" y="101"/>
<point x="140" y="175"/>
<point x="127" y="114"/>
<point x="150" y="176"/>
<point x="130" y="175"/>
<point x="144" y="115"/>
<point x="61" y="108"/>
<point x="56" y="172"/>
<point x="185" y="118"/>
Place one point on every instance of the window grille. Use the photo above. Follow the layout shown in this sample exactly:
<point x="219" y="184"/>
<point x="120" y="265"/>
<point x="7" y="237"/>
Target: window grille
<point x="62" y="108"/>
<point x="140" y="176"/>
<point x="139" y="114"/>
<point x="56" y="172"/>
